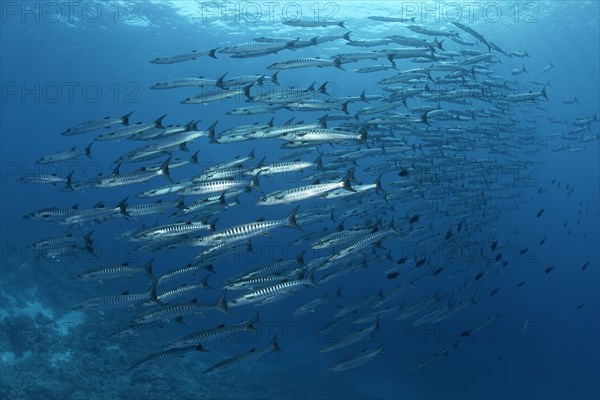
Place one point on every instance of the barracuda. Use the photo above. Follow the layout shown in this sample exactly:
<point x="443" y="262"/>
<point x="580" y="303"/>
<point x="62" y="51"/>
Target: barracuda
<point x="265" y="293"/>
<point x="72" y="154"/>
<point x="178" y="310"/>
<point x="337" y="238"/>
<point x="252" y="355"/>
<point x="185" y="82"/>
<point x="185" y="289"/>
<point x="89" y="126"/>
<point x="181" y="57"/>
<point x="356" y="360"/>
<point x="214" y="333"/>
<point x="351" y="338"/>
<point x="307" y="62"/>
<point x="247" y="231"/>
<point x="278" y="168"/>
<point x="131" y="130"/>
<point x="364" y="242"/>
<point x="328" y="136"/>
<point x="143" y="175"/>
<point x="174" y="230"/>
<point x="304" y="192"/>
<point x="112" y="272"/>
<point x="166" y="355"/>
<point x="219" y="186"/>
<point x="123" y="300"/>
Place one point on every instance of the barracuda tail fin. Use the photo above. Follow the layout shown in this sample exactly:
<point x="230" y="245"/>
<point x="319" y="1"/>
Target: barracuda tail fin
<point x="88" y="150"/>
<point x="300" y="258"/>
<point x="123" y="207"/>
<point x="346" y="182"/>
<point x="323" y="88"/>
<point x="363" y="97"/>
<point x="319" y="162"/>
<point x="204" y="283"/>
<point x="125" y="118"/>
<point x="310" y="279"/>
<point x="338" y="63"/>
<point x="254" y="183"/>
<point x="291" y="219"/>
<point x="152" y="292"/>
<point x="362" y="135"/>
<point x="211" y="129"/>
<point x="376" y="324"/>
<point x="212" y="52"/>
<point x="345" y="107"/>
<point x="378" y="187"/>
<point x="392" y="226"/>
<point x="88" y="239"/>
<point x="164" y="169"/>
<point x="249" y="326"/>
<point x="158" y="122"/>
<point x="69" y="182"/>
<point x="194" y="158"/>
<point x="221" y="304"/>
<point x="219" y="82"/>
<point x="148" y="269"/>
<point x="274" y="345"/>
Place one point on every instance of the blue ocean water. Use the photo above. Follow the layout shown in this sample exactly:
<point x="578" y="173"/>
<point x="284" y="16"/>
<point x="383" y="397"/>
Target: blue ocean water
<point x="64" y="63"/>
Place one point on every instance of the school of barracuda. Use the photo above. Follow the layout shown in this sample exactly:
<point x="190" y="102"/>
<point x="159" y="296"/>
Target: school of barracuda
<point x="435" y="110"/>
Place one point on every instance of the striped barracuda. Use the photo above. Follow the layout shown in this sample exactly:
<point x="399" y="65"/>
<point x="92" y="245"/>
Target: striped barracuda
<point x="214" y="333"/>
<point x="351" y="338"/>
<point x="243" y="359"/>
<point x="247" y="231"/>
<point x="266" y="293"/>
<point x="304" y="192"/>
<point x="356" y="360"/>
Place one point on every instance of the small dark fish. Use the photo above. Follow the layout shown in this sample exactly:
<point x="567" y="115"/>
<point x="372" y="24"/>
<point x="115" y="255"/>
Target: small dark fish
<point x="403" y="173"/>
<point x="585" y="265"/>
<point x="437" y="271"/>
<point x="549" y="269"/>
<point x="498" y="257"/>
<point x="393" y="275"/>
<point x="543" y="240"/>
<point x="478" y="276"/>
<point x="414" y="219"/>
<point x="520" y="284"/>
<point x="539" y="213"/>
<point x="421" y="262"/>
<point x="524" y="250"/>
<point x="459" y="227"/>
<point x="402" y="260"/>
<point x="579" y="306"/>
<point x="449" y="234"/>
<point x="505" y="263"/>
<point x="494" y="291"/>
<point x="494" y="246"/>
<point x="465" y="333"/>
